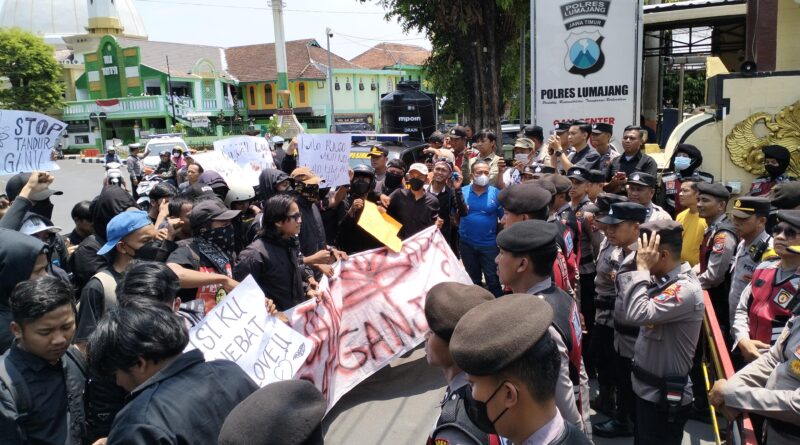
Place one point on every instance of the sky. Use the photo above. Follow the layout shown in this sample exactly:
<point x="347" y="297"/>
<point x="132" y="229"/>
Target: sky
<point x="356" y="26"/>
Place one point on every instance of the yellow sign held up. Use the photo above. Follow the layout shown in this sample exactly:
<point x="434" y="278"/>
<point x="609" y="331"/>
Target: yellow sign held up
<point x="380" y="225"/>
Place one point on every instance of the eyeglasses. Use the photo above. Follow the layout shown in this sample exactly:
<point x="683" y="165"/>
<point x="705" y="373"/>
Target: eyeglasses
<point x="295" y="216"/>
<point x="786" y="230"/>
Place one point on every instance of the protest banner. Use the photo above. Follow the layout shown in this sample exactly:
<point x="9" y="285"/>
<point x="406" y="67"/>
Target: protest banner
<point x="229" y="170"/>
<point x="327" y="155"/>
<point x="248" y="152"/>
<point x="372" y="311"/>
<point x="594" y="73"/>
<point x="239" y="329"/>
<point x="380" y="225"/>
<point x="27" y="140"/>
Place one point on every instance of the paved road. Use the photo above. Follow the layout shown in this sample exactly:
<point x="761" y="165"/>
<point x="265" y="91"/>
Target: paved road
<point x="397" y="405"/>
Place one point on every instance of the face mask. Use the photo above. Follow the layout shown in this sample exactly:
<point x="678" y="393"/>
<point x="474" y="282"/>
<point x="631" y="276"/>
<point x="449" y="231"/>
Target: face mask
<point x="149" y="251"/>
<point x="521" y="157"/>
<point x="323" y="193"/>
<point x="43" y="208"/>
<point x="476" y="411"/>
<point x="774" y="170"/>
<point x="481" y="180"/>
<point x="309" y="192"/>
<point x="360" y="188"/>
<point x="393" y="181"/>
<point x="416" y="184"/>
<point x="222" y="237"/>
<point x="682" y="163"/>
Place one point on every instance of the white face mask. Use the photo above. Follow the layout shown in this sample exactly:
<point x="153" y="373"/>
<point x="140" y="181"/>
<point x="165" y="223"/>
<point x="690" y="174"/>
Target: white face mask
<point x="682" y="163"/>
<point x="521" y="157"/>
<point x="481" y="181"/>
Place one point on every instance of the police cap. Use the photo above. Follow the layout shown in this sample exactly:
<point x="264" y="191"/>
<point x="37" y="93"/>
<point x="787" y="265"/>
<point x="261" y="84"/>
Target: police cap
<point x="642" y="178"/>
<point x="543" y="169"/>
<point x="624" y="211"/>
<point x="492" y="336"/>
<point x="786" y="195"/>
<point x="447" y="302"/>
<point x="604" y="201"/>
<point x="562" y="127"/>
<point x="596" y="176"/>
<point x="524" y="198"/>
<point x="534" y="132"/>
<point x="602" y="127"/>
<point x="747" y="206"/>
<point x="668" y="230"/>
<point x="528" y="235"/>
<point x="261" y="418"/>
<point x="546" y="184"/>
<point x="579" y="174"/>
<point x="714" y="189"/>
<point x="561" y="183"/>
<point x="790" y="216"/>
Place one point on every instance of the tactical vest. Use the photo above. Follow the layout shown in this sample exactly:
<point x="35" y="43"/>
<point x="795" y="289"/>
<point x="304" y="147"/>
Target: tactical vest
<point x="761" y="186"/>
<point x="672" y="186"/>
<point x="566" y="243"/>
<point x="566" y="320"/>
<point x="570" y="221"/>
<point x="767" y="311"/>
<point x="454" y="415"/>
<point x="561" y="272"/>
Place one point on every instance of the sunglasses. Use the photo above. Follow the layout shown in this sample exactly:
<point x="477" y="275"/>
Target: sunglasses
<point x="790" y="232"/>
<point x="295" y="216"/>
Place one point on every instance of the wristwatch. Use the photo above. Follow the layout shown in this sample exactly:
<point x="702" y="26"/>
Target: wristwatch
<point x="558" y="153"/>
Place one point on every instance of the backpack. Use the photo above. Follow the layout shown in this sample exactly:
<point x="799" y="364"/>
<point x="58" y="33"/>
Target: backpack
<point x="109" y="290"/>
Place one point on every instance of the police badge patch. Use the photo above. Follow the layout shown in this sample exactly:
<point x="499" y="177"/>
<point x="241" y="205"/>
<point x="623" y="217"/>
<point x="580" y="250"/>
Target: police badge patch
<point x="719" y="242"/>
<point x="668" y="294"/>
<point x="782" y="298"/>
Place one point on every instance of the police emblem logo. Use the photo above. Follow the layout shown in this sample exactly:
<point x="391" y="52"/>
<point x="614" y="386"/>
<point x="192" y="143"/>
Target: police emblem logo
<point x="737" y="203"/>
<point x="584" y="53"/>
<point x="611" y="211"/>
<point x="719" y="243"/>
<point x="794" y="367"/>
<point x="441" y="442"/>
<point x="635" y="177"/>
<point x="668" y="294"/>
<point x="782" y="298"/>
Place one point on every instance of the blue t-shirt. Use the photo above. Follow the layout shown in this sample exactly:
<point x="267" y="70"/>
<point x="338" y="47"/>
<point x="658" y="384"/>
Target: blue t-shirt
<point x="479" y="227"/>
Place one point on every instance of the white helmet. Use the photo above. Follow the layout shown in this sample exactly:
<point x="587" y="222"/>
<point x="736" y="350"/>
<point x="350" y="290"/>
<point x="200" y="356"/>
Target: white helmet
<point x="238" y="191"/>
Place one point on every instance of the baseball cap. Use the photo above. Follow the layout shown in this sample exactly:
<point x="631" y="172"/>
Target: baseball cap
<point x="524" y="143"/>
<point x="306" y="176"/>
<point x="123" y="225"/>
<point x="418" y="167"/>
<point x="277" y="140"/>
<point x="210" y="210"/>
<point x="644" y="179"/>
<point x="35" y="224"/>
<point x="378" y="151"/>
<point x="17" y="183"/>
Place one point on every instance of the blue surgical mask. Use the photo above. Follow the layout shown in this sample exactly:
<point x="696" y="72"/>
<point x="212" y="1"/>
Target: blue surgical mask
<point x="682" y="163"/>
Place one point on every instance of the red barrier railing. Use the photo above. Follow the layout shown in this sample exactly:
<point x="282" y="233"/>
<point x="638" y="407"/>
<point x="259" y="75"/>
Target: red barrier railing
<point x="741" y="430"/>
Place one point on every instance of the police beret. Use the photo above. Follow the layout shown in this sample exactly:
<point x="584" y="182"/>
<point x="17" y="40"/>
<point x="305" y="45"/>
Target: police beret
<point x="286" y="412"/>
<point x="715" y="189"/>
<point x="526" y="197"/>
<point x="493" y="335"/>
<point x="562" y="127"/>
<point x="642" y="178"/>
<point x="778" y="152"/>
<point x="602" y="127"/>
<point x="447" y="302"/>
<point x="786" y="195"/>
<point x="561" y="183"/>
<point x="668" y="230"/>
<point x="790" y="216"/>
<point x="579" y="174"/>
<point x="624" y="211"/>
<point x="527" y="235"/>
<point x="747" y="206"/>
<point x="596" y="176"/>
<point x="604" y="200"/>
<point x="546" y="184"/>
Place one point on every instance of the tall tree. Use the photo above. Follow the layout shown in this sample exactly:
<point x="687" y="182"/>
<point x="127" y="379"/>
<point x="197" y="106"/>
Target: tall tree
<point x="469" y="39"/>
<point x="33" y="74"/>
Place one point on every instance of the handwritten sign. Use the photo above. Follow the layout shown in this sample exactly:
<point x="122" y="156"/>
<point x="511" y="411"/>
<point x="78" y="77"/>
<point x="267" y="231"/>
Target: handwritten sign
<point x="327" y="155"/>
<point x="380" y="225"/>
<point x="230" y="171"/>
<point x="27" y="140"/>
<point x="248" y="152"/>
<point x="239" y="329"/>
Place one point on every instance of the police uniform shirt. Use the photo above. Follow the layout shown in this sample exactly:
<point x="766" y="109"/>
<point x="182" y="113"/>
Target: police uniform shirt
<point x="744" y="264"/>
<point x="722" y="250"/>
<point x="605" y="159"/>
<point x="623" y="344"/>
<point x="585" y="158"/>
<point x="607" y="264"/>
<point x="669" y="312"/>
<point x="640" y="162"/>
<point x="769" y="387"/>
<point x="587" y="265"/>
<point x="656" y="213"/>
<point x="565" y="390"/>
<point x="763" y="184"/>
<point x="451" y="435"/>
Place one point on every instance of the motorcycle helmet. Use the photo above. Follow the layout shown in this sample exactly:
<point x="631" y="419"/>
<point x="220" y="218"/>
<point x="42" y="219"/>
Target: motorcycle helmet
<point x="364" y="170"/>
<point x="239" y="191"/>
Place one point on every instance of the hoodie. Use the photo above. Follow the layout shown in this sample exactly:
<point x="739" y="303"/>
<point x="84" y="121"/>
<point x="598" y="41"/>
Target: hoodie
<point x="18" y="254"/>
<point x="267" y="181"/>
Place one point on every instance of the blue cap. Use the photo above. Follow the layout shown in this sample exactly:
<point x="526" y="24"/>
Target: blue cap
<point x="123" y="225"/>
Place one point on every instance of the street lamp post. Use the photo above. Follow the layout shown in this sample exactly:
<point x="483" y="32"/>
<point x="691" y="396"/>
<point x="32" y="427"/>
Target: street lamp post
<point x="329" y="34"/>
<point x="100" y="118"/>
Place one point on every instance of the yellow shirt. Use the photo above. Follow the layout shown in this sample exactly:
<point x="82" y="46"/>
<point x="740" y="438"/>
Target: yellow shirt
<point x="693" y="228"/>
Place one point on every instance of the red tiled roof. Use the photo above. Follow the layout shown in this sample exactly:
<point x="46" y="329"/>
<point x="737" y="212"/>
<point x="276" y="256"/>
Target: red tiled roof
<point x="305" y="59"/>
<point x="388" y="54"/>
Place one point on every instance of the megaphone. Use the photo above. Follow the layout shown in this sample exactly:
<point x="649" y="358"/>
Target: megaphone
<point x="748" y="68"/>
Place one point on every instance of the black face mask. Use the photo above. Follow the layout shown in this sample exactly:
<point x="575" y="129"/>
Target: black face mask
<point x="43" y="208"/>
<point x="416" y="184"/>
<point x="222" y="237"/>
<point x="360" y="188"/>
<point x="149" y="251"/>
<point x="393" y="181"/>
<point x="774" y="170"/>
<point x="309" y="192"/>
<point x="476" y="411"/>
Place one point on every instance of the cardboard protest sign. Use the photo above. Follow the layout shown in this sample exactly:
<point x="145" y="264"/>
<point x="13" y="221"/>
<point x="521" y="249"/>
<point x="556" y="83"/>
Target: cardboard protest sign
<point x="327" y="155"/>
<point x="26" y="141"/>
<point x="372" y="311"/>
<point x="229" y="170"/>
<point x="239" y="329"/>
<point x="248" y="152"/>
<point x="380" y="225"/>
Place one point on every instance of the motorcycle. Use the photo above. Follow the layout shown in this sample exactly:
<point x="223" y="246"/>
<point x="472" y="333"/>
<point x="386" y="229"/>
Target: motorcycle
<point x="113" y="175"/>
<point x="59" y="151"/>
<point x="143" y="190"/>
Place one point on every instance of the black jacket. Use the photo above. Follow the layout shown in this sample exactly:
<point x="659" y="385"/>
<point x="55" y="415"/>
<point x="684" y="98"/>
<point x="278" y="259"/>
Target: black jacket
<point x="184" y="403"/>
<point x="277" y="266"/>
<point x="16" y="213"/>
<point x="18" y="254"/>
<point x="350" y="237"/>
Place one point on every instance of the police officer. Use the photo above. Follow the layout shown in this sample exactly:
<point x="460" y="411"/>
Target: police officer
<point x="717" y="249"/>
<point x="601" y="141"/>
<point x="513" y="376"/>
<point x="622" y="231"/>
<point x="684" y="164"/>
<point x="445" y="304"/>
<point x="762" y="309"/>
<point x="568" y="225"/>
<point x="749" y="216"/>
<point x="527" y="252"/>
<point x="602" y="342"/>
<point x="664" y="298"/>
<point x="641" y="189"/>
<point x="135" y="166"/>
<point x="769" y="385"/>
<point x="776" y="161"/>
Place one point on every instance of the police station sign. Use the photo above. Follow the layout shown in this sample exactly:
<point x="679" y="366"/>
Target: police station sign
<point x="586" y="62"/>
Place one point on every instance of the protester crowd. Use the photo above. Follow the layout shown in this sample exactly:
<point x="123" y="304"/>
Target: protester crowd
<point x="585" y="265"/>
